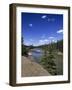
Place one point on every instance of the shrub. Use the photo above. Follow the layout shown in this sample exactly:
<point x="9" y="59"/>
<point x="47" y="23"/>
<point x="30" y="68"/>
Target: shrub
<point x="47" y="61"/>
<point x="24" y="51"/>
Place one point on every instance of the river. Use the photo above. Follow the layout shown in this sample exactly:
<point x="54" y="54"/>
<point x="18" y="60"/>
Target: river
<point x="37" y="54"/>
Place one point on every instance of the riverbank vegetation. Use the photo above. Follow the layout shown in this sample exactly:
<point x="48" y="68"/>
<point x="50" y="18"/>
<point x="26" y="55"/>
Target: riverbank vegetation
<point x="50" y="60"/>
<point x="47" y="61"/>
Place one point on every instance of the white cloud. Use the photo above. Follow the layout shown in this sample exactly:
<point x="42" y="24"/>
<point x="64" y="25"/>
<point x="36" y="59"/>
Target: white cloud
<point x="27" y="43"/>
<point x="60" y="31"/>
<point x="44" y="41"/>
<point x="51" y="37"/>
<point x="30" y="25"/>
<point x="47" y="41"/>
<point x="41" y="41"/>
<point x="31" y="40"/>
<point x="54" y="41"/>
<point x="44" y="16"/>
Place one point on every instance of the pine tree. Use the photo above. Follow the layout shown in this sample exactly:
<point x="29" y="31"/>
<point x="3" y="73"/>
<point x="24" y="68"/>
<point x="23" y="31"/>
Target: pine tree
<point x="47" y="61"/>
<point x="23" y="48"/>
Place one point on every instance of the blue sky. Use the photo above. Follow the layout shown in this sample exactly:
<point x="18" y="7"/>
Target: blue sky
<point x="39" y="29"/>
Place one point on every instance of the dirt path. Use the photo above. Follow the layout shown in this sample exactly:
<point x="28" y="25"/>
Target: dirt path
<point x="31" y="68"/>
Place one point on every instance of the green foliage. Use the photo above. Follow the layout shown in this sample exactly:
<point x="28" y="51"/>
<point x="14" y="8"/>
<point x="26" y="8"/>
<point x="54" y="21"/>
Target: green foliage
<point x="47" y="61"/>
<point x="60" y="45"/>
<point x="24" y="51"/>
<point x="23" y="48"/>
<point x="22" y="40"/>
<point x="31" y="47"/>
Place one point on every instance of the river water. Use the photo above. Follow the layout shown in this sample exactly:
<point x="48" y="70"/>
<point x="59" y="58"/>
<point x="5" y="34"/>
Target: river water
<point x="37" y="54"/>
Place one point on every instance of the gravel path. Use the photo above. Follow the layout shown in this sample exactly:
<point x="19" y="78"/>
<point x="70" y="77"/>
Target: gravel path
<point x="31" y="68"/>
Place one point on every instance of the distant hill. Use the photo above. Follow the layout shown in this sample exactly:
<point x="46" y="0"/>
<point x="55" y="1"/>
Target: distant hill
<point x="56" y="46"/>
